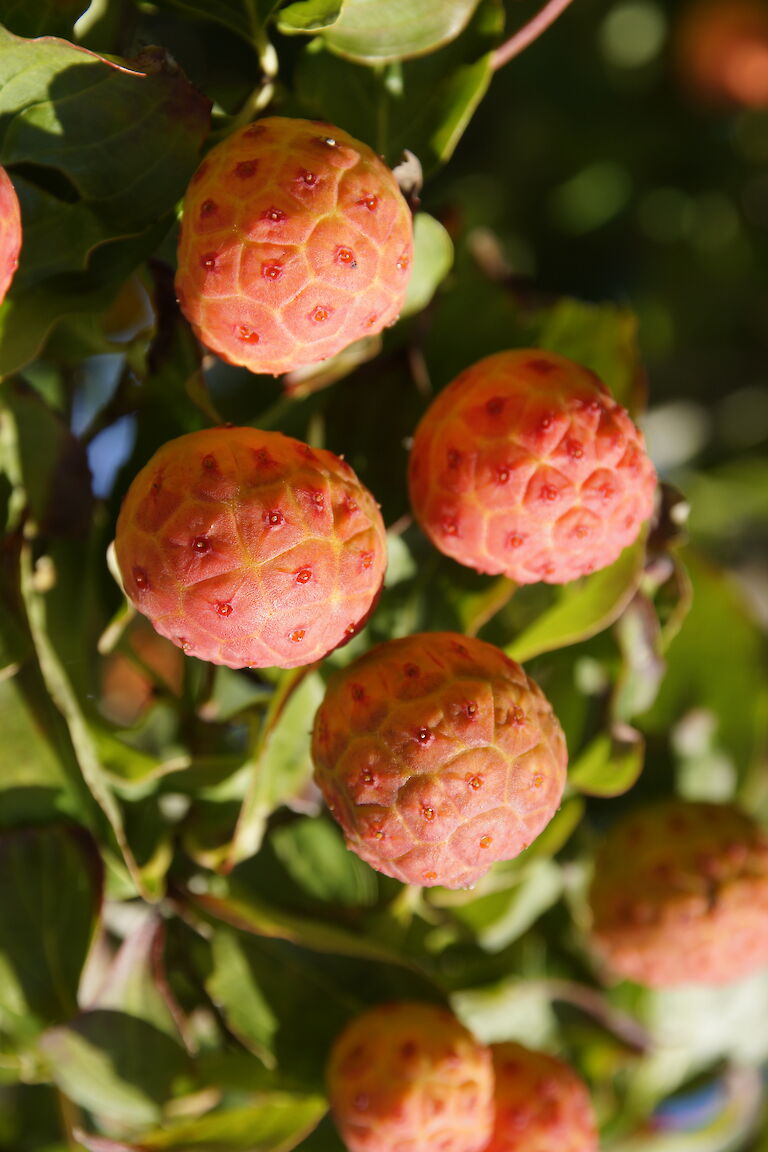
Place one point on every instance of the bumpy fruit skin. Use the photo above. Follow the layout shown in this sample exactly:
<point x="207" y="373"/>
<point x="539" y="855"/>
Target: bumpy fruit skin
<point x="541" y="1105"/>
<point x="438" y="756"/>
<point x="10" y="232"/>
<point x="722" y="48"/>
<point x="249" y="548"/>
<point x="680" y="895"/>
<point x="408" y="1077"/>
<point x="296" y="241"/>
<point x="525" y="466"/>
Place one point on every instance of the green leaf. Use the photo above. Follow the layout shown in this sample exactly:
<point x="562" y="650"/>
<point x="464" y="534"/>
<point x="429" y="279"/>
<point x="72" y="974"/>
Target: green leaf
<point x="602" y="337"/>
<point x="42" y="17"/>
<point x="716" y="663"/>
<point x="313" y="853"/>
<point x="282" y="765"/>
<point x="126" y="136"/>
<point x="432" y="260"/>
<point x="369" y="31"/>
<point x="277" y="1122"/>
<point x="584" y="607"/>
<point x="423" y="106"/>
<point x="308" y="15"/>
<point x="136" y="983"/>
<point x="51" y="881"/>
<point x="245" y="18"/>
<point x="233" y="989"/>
<point x="611" y="764"/>
<point x="499" y="917"/>
<point x="102" y="150"/>
<point x="117" y="1066"/>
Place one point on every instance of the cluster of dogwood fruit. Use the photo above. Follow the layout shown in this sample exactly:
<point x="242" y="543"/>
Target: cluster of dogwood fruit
<point x="436" y="753"/>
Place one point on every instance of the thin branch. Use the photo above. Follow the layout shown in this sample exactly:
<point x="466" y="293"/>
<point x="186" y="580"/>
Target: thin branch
<point x="528" y="33"/>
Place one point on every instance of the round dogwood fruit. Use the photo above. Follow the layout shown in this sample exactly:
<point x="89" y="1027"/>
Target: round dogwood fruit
<point x="680" y="895"/>
<point x="525" y="466"/>
<point x="437" y="755"/>
<point x="251" y="549"/>
<point x="540" y="1104"/>
<point x="10" y="232"/>
<point x="408" y="1077"/>
<point x="296" y="241"/>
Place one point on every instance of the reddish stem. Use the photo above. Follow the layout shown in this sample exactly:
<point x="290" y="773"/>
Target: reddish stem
<point x="528" y="33"/>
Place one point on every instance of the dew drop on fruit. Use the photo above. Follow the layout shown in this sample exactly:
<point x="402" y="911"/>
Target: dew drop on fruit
<point x="475" y="782"/>
<point x="271" y="271"/>
<point x="275" y="215"/>
<point x="297" y="635"/>
<point x="428" y="813"/>
<point x="424" y="736"/>
<point x="224" y="609"/>
<point x="141" y="579"/>
<point x="486" y="841"/>
<point x="368" y="202"/>
<point x="345" y="256"/>
<point x="274" y="518"/>
<point x="208" y="261"/>
<point x="319" y="314"/>
<point x="515" y="541"/>
<point x="246" y="334"/>
<point x="304" y="575"/>
<point x="200" y="544"/>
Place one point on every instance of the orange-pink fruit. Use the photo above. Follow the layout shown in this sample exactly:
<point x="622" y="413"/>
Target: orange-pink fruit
<point x="525" y="466"/>
<point x="408" y="1077"/>
<point x="249" y="548"/>
<point x="722" y="49"/>
<point x="437" y="755"/>
<point x="10" y="232"/>
<point x="296" y="241"/>
<point x="541" y="1105"/>
<point x="680" y="895"/>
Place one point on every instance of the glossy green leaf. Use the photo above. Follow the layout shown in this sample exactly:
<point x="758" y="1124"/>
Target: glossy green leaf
<point x="602" y="337"/>
<point x="277" y="1122"/>
<point x="432" y="260"/>
<point x="282" y="765"/>
<point x="51" y="880"/>
<point x="308" y="15"/>
<point x="115" y="1065"/>
<point x="424" y="106"/>
<point x="611" y="764"/>
<point x="502" y="915"/>
<point x="584" y="607"/>
<point x="233" y="989"/>
<point x="314" y="854"/>
<point x="369" y="32"/>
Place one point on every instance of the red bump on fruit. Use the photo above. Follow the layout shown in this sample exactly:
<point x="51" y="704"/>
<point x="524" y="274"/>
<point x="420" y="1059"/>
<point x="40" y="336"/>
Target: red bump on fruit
<point x="559" y="482"/>
<point x="541" y="1105"/>
<point x="10" y="232"/>
<point x="680" y="895"/>
<point x="274" y="245"/>
<point x="409" y="1076"/>
<point x="469" y="758"/>
<point x="227" y="541"/>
